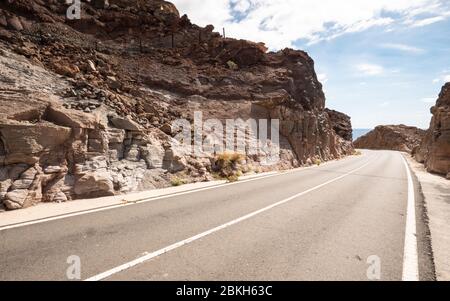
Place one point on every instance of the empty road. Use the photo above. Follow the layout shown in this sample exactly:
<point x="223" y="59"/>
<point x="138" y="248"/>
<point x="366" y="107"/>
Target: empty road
<point x="344" y="220"/>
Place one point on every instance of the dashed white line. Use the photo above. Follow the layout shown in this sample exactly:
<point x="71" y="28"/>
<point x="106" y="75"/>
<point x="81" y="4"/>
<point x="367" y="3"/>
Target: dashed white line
<point x="189" y="240"/>
<point x="410" y="257"/>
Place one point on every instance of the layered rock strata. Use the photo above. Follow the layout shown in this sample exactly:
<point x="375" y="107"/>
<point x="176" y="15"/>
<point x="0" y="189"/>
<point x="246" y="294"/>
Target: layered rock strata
<point x="87" y="105"/>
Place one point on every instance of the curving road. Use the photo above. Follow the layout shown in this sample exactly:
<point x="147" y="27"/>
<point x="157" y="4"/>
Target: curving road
<point x="344" y="220"/>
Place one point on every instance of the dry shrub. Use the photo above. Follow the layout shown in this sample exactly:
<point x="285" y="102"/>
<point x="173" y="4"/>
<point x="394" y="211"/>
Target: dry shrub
<point x="175" y="181"/>
<point x="227" y="165"/>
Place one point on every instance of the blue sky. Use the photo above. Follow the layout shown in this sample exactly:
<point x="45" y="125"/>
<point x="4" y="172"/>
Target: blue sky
<point x="380" y="61"/>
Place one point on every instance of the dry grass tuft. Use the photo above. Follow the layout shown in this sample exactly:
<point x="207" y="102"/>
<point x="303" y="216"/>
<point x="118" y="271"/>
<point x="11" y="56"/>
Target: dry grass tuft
<point x="175" y="181"/>
<point x="228" y="166"/>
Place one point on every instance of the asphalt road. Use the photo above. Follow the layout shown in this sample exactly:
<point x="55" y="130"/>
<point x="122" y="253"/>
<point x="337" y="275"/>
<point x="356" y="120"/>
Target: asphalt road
<point x="322" y="223"/>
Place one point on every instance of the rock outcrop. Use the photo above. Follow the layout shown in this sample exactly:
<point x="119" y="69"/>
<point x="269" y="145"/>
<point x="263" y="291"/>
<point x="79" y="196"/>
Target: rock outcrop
<point x="434" y="150"/>
<point x="86" y="106"/>
<point x="391" y="137"/>
<point x="341" y="124"/>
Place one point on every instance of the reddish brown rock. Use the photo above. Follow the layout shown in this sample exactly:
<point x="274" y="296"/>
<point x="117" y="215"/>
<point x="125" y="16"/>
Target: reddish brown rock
<point x="434" y="150"/>
<point x="89" y="103"/>
<point x="14" y="23"/>
<point x="94" y="185"/>
<point x="391" y="137"/>
<point x="40" y="137"/>
<point x="341" y="124"/>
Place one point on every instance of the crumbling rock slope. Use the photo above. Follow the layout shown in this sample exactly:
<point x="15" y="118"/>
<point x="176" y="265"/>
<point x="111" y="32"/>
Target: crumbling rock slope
<point x="87" y="105"/>
<point x="434" y="150"/>
<point x="391" y="137"/>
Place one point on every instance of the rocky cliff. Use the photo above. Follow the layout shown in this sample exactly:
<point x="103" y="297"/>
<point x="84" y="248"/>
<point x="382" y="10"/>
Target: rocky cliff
<point x="87" y="104"/>
<point x="391" y="137"/>
<point x="434" y="150"/>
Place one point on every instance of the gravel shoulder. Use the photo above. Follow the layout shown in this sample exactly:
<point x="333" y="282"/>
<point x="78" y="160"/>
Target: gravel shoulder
<point x="436" y="197"/>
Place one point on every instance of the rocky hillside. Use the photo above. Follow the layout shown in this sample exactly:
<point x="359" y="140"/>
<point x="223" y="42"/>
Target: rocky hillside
<point x="391" y="137"/>
<point x="86" y="106"/>
<point x="434" y="150"/>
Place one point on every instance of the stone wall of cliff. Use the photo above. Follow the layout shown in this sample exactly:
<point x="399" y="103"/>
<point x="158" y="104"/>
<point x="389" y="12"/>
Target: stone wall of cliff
<point x="87" y="105"/>
<point x="434" y="150"/>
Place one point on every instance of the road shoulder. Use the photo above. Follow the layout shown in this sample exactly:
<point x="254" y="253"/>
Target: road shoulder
<point x="436" y="195"/>
<point x="44" y="211"/>
<point x="53" y="210"/>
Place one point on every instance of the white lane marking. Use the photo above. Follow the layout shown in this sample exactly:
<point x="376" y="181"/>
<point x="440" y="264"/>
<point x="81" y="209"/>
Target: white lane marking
<point x="410" y="257"/>
<point x="211" y="231"/>
<point x="150" y="199"/>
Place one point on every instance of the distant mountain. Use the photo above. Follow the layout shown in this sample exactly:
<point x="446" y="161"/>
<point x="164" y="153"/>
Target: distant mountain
<point x="359" y="132"/>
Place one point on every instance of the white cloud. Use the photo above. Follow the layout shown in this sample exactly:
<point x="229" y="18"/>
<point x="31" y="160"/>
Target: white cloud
<point x="370" y="69"/>
<point x="445" y="78"/>
<point x="204" y="12"/>
<point x="385" y="104"/>
<point x="429" y="99"/>
<point x="241" y="5"/>
<point x="402" y="47"/>
<point x="322" y="77"/>
<point x="279" y="23"/>
<point x="427" y="21"/>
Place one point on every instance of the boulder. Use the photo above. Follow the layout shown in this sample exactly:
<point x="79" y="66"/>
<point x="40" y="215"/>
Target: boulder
<point x="15" y="199"/>
<point x="125" y="124"/>
<point x="94" y="185"/>
<point x="70" y="118"/>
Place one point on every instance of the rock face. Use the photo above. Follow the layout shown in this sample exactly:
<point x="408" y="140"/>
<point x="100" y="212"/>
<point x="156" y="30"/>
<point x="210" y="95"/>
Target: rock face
<point x="86" y="106"/>
<point x="434" y="150"/>
<point x="391" y="137"/>
<point x="341" y="124"/>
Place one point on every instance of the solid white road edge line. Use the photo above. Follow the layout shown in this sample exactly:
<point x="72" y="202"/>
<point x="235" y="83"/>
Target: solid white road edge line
<point x="410" y="257"/>
<point x="211" y="231"/>
<point x="146" y="200"/>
